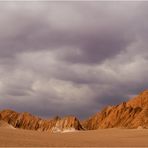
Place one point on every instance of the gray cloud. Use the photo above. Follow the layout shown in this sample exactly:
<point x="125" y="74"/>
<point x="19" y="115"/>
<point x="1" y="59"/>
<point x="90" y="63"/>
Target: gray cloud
<point x="71" y="57"/>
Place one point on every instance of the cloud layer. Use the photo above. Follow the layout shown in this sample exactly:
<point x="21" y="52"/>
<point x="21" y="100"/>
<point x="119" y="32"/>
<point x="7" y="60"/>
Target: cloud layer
<point x="59" y="58"/>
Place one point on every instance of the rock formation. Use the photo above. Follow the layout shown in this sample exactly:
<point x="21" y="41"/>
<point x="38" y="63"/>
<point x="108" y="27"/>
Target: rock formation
<point x="30" y="122"/>
<point x="131" y="114"/>
<point x="139" y="101"/>
<point x="70" y="123"/>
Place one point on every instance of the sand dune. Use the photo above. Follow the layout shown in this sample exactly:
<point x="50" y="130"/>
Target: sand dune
<point x="102" y="137"/>
<point x="4" y="124"/>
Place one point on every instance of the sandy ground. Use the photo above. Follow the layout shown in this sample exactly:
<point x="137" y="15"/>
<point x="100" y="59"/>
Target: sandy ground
<point x="104" y="138"/>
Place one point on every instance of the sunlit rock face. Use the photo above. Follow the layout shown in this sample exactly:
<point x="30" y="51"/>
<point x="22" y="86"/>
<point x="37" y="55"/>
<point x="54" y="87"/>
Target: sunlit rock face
<point x="67" y="124"/>
<point x="131" y="114"/>
<point x="27" y="121"/>
<point x="30" y="122"/>
<point x="139" y="101"/>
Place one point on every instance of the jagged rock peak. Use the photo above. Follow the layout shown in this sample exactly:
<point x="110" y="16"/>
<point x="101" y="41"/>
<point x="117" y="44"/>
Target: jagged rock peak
<point x="27" y="121"/>
<point x="139" y="101"/>
<point x="130" y="114"/>
<point x="70" y="123"/>
<point x="56" y="118"/>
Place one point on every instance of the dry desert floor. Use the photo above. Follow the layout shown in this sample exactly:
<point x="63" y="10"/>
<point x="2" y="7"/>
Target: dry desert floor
<point x="103" y="138"/>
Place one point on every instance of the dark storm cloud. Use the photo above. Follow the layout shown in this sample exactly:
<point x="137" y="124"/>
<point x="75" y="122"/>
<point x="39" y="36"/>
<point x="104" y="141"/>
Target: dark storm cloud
<point x="80" y="56"/>
<point x="50" y="27"/>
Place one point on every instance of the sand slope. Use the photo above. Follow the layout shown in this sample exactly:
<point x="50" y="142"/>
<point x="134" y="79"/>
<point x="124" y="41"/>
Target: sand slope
<point x="4" y="124"/>
<point x="102" y="137"/>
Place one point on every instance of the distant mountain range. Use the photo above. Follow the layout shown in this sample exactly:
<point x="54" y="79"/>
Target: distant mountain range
<point x="130" y="114"/>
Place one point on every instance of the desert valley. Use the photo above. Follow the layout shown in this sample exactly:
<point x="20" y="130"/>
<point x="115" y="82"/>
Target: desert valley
<point x="73" y="73"/>
<point x="125" y="124"/>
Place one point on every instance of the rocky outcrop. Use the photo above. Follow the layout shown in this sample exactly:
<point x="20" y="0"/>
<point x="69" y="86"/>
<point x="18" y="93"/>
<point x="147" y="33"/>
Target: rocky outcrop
<point x="139" y="101"/>
<point x="27" y="121"/>
<point x="131" y="114"/>
<point x="70" y="123"/>
<point x="30" y="122"/>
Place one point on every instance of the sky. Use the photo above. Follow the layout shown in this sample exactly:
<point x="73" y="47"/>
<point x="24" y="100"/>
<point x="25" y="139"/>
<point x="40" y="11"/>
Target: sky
<point x="71" y="58"/>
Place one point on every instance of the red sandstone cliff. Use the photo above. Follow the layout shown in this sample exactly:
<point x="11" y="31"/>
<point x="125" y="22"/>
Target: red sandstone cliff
<point x="30" y="122"/>
<point x="67" y="123"/>
<point x="131" y="114"/>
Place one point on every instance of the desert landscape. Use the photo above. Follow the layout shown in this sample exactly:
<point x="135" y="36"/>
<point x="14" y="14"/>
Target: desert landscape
<point x="121" y="125"/>
<point x="73" y="73"/>
<point x="98" y="138"/>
